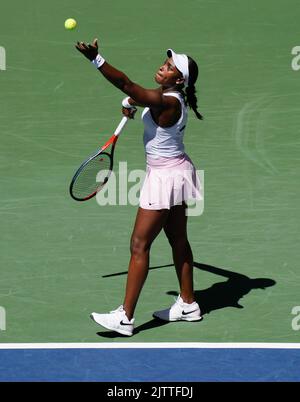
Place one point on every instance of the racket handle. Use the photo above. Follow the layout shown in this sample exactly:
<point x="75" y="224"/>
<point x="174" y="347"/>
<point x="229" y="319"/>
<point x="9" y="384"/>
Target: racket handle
<point x="121" y="125"/>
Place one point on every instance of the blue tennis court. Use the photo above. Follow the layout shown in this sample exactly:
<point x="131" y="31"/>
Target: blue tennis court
<point x="151" y="364"/>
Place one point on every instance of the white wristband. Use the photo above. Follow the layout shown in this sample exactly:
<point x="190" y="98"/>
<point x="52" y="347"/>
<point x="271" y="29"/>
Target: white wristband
<point x="98" y="61"/>
<point x="126" y="104"/>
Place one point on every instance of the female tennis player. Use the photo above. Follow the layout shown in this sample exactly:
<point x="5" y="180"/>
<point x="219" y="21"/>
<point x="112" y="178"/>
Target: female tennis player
<point x="171" y="178"/>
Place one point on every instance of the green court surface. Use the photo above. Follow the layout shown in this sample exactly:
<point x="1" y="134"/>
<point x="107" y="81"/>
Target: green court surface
<point x="56" y="109"/>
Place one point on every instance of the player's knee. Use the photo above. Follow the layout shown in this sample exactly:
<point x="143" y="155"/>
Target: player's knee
<point x="139" y="246"/>
<point x="177" y="241"/>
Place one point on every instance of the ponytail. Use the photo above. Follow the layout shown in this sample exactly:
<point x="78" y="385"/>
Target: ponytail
<point x="190" y="90"/>
<point x="191" y="100"/>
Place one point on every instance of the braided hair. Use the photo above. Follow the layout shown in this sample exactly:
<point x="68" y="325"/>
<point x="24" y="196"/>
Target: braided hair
<point x="190" y="91"/>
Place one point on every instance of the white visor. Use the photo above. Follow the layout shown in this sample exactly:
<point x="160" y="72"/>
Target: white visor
<point x="181" y="62"/>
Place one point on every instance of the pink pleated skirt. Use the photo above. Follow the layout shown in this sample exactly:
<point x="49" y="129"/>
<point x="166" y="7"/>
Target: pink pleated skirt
<point x="169" y="182"/>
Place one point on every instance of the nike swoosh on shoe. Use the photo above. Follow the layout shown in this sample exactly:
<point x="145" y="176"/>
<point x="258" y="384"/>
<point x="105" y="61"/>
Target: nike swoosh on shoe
<point x="189" y="312"/>
<point x="123" y="323"/>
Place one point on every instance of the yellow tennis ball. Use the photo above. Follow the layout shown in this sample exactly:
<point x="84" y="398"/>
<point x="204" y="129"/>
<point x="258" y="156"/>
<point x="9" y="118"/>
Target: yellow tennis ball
<point x="70" y="23"/>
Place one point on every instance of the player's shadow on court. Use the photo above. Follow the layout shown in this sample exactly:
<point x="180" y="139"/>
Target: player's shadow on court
<point x="229" y="293"/>
<point x="219" y="295"/>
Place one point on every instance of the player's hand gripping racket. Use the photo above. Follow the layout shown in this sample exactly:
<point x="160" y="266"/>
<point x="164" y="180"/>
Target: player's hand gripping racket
<point x="94" y="172"/>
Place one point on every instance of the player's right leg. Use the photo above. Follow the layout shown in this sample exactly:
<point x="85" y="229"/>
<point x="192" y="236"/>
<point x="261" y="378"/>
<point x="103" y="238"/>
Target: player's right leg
<point x="148" y="224"/>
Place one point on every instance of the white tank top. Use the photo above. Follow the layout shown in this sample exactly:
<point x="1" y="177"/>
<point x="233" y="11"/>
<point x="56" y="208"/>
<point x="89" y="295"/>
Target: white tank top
<point x="164" y="141"/>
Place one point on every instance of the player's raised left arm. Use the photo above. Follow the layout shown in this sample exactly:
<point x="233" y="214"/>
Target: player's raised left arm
<point x="140" y="95"/>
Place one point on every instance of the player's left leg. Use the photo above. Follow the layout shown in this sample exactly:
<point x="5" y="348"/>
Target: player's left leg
<point x="176" y="231"/>
<point x="185" y="308"/>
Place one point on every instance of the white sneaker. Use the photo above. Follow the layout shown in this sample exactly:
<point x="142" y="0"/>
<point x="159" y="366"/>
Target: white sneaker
<point x="180" y="311"/>
<point x="116" y="320"/>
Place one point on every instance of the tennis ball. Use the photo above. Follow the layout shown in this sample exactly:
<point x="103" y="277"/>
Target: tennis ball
<point x="70" y="23"/>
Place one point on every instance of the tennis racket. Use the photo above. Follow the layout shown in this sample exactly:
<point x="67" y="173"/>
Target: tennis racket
<point x="94" y="172"/>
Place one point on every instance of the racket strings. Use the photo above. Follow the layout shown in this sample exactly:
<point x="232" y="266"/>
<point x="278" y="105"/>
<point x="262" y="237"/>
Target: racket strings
<point x="92" y="177"/>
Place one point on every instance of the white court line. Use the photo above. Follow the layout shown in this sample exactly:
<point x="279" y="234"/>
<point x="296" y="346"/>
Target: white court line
<point x="152" y="345"/>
